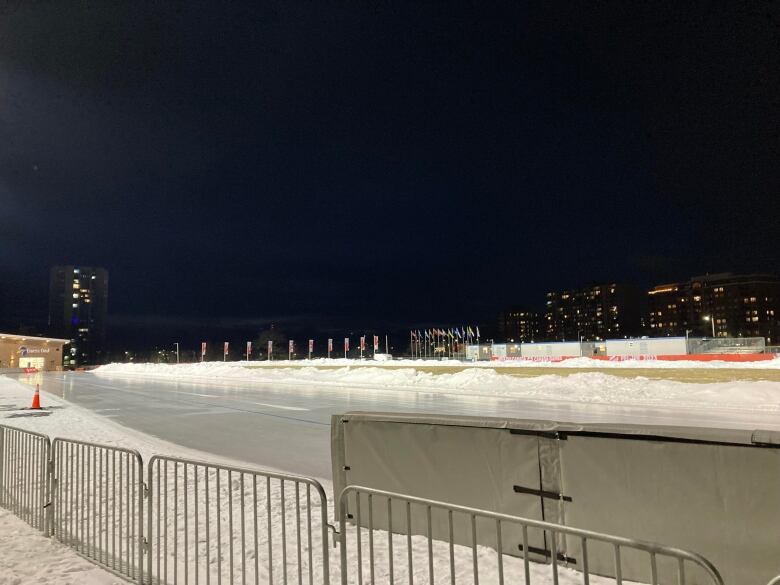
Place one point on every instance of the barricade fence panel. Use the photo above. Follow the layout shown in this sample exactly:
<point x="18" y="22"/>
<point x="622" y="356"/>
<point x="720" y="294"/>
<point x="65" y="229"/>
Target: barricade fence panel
<point x="214" y="523"/>
<point x="206" y="523"/>
<point x="24" y="474"/>
<point x="410" y="549"/>
<point x="97" y="499"/>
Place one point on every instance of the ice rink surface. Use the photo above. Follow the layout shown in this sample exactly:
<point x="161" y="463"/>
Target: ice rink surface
<point x="288" y="427"/>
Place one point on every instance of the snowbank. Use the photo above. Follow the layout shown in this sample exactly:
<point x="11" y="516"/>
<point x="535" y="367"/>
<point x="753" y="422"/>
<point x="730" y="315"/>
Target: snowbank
<point x="574" y="362"/>
<point x="586" y="387"/>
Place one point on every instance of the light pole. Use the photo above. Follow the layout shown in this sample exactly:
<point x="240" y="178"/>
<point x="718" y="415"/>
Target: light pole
<point x="712" y="321"/>
<point x="177" y="351"/>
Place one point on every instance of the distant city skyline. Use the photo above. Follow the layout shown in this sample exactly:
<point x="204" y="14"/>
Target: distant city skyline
<point x="255" y="163"/>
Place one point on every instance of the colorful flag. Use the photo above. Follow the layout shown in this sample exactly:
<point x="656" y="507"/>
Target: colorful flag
<point x="202" y="348"/>
<point x="477" y="331"/>
<point x="471" y="331"/>
<point x="362" y="342"/>
<point x="311" y="345"/>
<point x="270" y="347"/>
<point x="346" y="344"/>
<point x="226" y="347"/>
<point x="248" y="347"/>
<point x="376" y="343"/>
<point x="427" y="336"/>
<point x="330" y="345"/>
<point x="291" y="346"/>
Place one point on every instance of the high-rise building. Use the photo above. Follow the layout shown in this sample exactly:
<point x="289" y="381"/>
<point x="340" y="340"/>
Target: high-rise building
<point x="728" y="304"/>
<point x="518" y="325"/>
<point x="78" y="304"/>
<point x="593" y="313"/>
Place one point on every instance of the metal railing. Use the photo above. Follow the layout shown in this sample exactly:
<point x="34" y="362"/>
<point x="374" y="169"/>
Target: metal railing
<point x="207" y="521"/>
<point x="425" y="530"/>
<point x="24" y="474"/>
<point x="97" y="498"/>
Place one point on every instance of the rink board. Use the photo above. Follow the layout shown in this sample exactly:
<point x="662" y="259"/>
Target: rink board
<point x="711" y="491"/>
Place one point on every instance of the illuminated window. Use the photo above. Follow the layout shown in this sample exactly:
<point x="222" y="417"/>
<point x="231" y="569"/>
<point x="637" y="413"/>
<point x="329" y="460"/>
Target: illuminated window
<point x="75" y="305"/>
<point x="75" y="295"/>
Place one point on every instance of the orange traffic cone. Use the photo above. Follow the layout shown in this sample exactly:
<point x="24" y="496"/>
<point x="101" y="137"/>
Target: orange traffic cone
<point x="36" y="405"/>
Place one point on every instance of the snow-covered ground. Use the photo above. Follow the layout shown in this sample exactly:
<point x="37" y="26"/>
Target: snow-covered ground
<point x="26" y="556"/>
<point x="585" y="387"/>
<point x="57" y="564"/>
<point x="574" y="362"/>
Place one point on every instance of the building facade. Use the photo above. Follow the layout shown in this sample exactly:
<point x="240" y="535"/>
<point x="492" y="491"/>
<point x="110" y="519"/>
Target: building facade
<point x="78" y="306"/>
<point x="518" y="325"/>
<point x="719" y="305"/>
<point x="593" y="313"/>
<point x="41" y="353"/>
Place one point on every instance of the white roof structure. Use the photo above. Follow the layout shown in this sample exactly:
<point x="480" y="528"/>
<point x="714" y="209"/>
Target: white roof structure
<point x="12" y="336"/>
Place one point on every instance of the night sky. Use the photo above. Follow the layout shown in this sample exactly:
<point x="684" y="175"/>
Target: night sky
<point x="379" y="164"/>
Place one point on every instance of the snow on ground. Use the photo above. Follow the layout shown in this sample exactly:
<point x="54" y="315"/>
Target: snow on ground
<point x="586" y="387"/>
<point x="573" y="362"/>
<point x="28" y="557"/>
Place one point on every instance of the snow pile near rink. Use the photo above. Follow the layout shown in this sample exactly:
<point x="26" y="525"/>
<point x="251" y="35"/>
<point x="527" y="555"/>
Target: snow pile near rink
<point x="573" y="362"/>
<point x="586" y="387"/>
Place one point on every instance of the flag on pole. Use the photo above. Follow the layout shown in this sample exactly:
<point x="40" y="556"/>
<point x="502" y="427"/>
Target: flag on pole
<point x="346" y="344"/>
<point x="362" y="342"/>
<point x="226" y="347"/>
<point x="376" y="343"/>
<point x="248" y="349"/>
<point x="291" y="346"/>
<point x="477" y="331"/>
<point x="311" y="345"/>
<point x="270" y="347"/>
<point x="202" y="348"/>
<point x="330" y="345"/>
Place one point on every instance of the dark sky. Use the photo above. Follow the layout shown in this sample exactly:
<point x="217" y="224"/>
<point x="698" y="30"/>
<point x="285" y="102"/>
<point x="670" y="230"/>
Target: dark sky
<point x="384" y="162"/>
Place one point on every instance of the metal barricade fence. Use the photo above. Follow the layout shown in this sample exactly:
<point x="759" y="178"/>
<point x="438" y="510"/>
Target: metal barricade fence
<point x="424" y="550"/>
<point x="24" y="474"/>
<point x="97" y="499"/>
<point x="210" y="523"/>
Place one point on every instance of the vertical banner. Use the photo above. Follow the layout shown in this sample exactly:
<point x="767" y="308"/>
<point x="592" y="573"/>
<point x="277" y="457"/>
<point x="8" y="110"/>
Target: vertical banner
<point x="270" y="348"/>
<point x="346" y="346"/>
<point x="248" y="349"/>
<point x="290" y="349"/>
<point x="330" y="346"/>
<point x="202" y="350"/>
<point x="362" y="345"/>
<point x="376" y="343"/>
<point x="224" y="355"/>
<point x="311" y="347"/>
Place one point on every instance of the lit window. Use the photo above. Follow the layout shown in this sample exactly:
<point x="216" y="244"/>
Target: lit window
<point x="75" y="295"/>
<point x="75" y="305"/>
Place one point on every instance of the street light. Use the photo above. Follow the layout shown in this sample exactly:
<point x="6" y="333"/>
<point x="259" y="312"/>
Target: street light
<point x="712" y="321"/>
